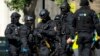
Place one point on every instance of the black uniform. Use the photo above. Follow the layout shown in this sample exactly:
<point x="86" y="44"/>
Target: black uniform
<point x="12" y="35"/>
<point x="66" y="29"/>
<point x="85" y="22"/>
<point x="45" y="31"/>
<point x="63" y="31"/>
<point x="59" y="51"/>
<point x="25" y="36"/>
<point x="67" y="17"/>
<point x="58" y="26"/>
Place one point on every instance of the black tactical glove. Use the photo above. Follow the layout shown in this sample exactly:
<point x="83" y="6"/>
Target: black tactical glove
<point x="37" y="34"/>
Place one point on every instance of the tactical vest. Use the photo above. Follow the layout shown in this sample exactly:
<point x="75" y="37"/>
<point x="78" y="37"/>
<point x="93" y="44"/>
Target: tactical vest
<point x="84" y="20"/>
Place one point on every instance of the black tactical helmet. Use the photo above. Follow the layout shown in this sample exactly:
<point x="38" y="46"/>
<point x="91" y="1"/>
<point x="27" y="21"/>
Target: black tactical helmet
<point x="29" y="18"/>
<point x="15" y="15"/>
<point x="44" y="13"/>
<point x="85" y="2"/>
<point x="65" y="7"/>
<point x="91" y="0"/>
<point x="57" y="17"/>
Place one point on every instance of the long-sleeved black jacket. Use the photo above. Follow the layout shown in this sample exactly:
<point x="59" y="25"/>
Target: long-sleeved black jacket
<point x="85" y="19"/>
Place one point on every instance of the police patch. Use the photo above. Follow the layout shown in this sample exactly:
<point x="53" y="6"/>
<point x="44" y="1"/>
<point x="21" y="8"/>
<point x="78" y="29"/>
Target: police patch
<point x="82" y="14"/>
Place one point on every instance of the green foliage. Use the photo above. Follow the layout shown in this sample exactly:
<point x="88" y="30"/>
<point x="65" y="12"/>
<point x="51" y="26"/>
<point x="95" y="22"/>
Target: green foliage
<point x="17" y="4"/>
<point x="98" y="15"/>
<point x="59" y="2"/>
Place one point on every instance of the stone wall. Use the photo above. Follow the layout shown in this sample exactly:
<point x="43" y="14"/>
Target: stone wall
<point x="96" y="6"/>
<point x="54" y="9"/>
<point x="50" y="6"/>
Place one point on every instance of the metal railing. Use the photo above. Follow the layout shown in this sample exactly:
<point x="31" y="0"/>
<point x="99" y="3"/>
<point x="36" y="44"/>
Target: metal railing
<point x="3" y="47"/>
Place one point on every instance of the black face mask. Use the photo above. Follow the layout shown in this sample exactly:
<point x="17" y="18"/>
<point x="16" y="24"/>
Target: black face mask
<point x="15" y="20"/>
<point x="44" y="18"/>
<point x="64" y="10"/>
<point x="29" y="23"/>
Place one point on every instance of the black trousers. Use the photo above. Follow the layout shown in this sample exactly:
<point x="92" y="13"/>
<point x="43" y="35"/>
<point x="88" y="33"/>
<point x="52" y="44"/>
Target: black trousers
<point x="84" y="42"/>
<point x="13" y="51"/>
<point x="44" y="51"/>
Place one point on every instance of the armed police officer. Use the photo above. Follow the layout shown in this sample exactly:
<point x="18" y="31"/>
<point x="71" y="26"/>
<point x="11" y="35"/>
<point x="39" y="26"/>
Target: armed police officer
<point x="12" y="35"/>
<point x="26" y="36"/>
<point x="59" y="51"/>
<point x="66" y="29"/>
<point x="85" y="22"/>
<point x="45" y="31"/>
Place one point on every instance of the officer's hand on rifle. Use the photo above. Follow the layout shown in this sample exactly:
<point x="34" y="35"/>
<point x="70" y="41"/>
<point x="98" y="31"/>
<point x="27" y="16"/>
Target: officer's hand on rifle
<point x="36" y="33"/>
